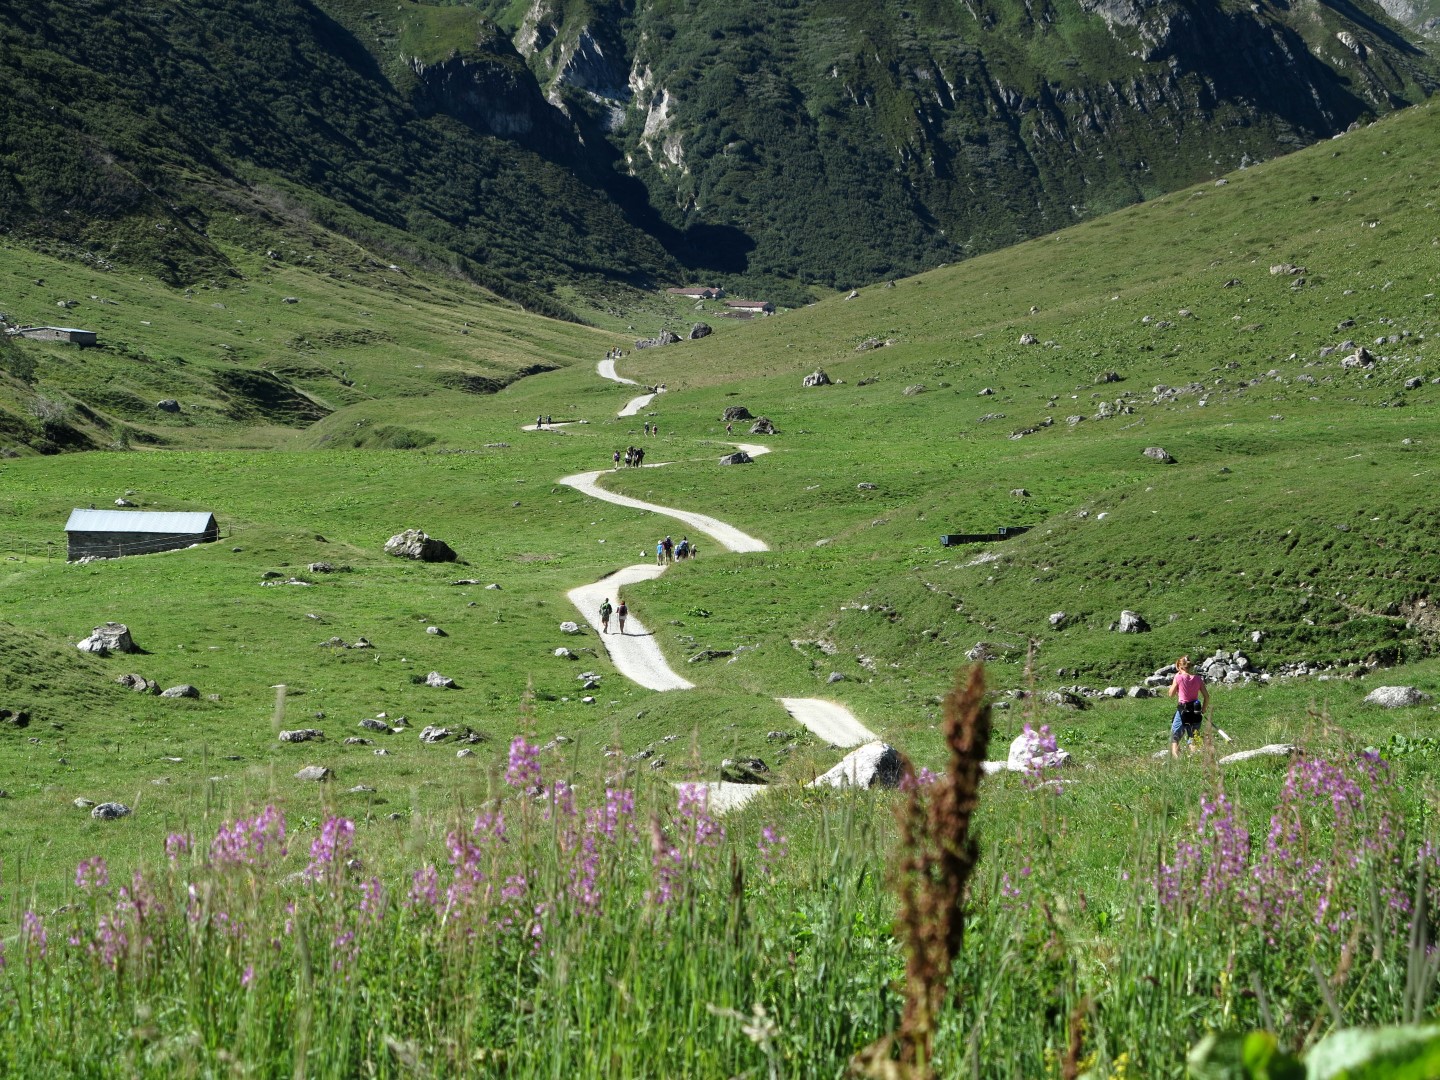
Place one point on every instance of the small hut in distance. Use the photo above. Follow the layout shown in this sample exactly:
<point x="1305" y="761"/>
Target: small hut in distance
<point x="109" y="534"/>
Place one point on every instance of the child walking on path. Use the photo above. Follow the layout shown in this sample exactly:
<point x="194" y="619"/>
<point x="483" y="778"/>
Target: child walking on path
<point x="1193" y="702"/>
<point x="605" y="610"/>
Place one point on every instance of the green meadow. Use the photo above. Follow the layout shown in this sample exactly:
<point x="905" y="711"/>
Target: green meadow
<point x="1299" y="509"/>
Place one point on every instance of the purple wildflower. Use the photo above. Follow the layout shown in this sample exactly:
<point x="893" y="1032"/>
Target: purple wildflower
<point x="327" y="851"/>
<point x="32" y="933"/>
<point x="524" y="767"/>
<point x="92" y="873"/>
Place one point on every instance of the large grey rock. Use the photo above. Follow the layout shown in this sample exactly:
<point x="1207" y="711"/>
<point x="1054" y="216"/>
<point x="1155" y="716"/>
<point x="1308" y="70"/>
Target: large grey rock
<point x="700" y="330"/>
<point x="734" y="413"/>
<point x="915" y="388"/>
<point x="569" y="627"/>
<point x="184" y="690"/>
<point x="1057" y="619"/>
<point x="1360" y="358"/>
<point x="109" y="811"/>
<point x="17" y="718"/>
<point x="763" y="426"/>
<point x="1158" y="453"/>
<point x="434" y="734"/>
<point x="108" y="638"/>
<point x="301" y="735"/>
<point x="1131" y="623"/>
<point x="872" y="764"/>
<point x="1022" y="759"/>
<point x="414" y="544"/>
<point x="739" y="457"/>
<point x="440" y="682"/>
<point x="1064" y="699"/>
<point x="372" y="724"/>
<point x="1395" y="697"/>
<point x="1272" y="750"/>
<point x="816" y="378"/>
<point x="314" y="772"/>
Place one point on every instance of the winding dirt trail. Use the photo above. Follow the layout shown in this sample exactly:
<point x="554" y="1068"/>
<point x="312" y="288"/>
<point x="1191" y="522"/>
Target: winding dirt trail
<point x="635" y="653"/>
<point x="606" y="370"/>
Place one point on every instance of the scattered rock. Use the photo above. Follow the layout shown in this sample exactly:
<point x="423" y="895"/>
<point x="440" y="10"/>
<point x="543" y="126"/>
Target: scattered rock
<point x="1360" y="358"/>
<point x="1023" y="757"/>
<point x="700" y="330"/>
<point x="982" y="651"/>
<point x="1064" y="699"/>
<point x="414" y="544"/>
<point x="1140" y="692"/>
<point x="987" y="392"/>
<point x="763" y="426"/>
<point x="465" y="751"/>
<point x="1395" y="697"/>
<point x="109" y="811"/>
<point x="1057" y="619"/>
<point x="563" y="653"/>
<point x="739" y="457"/>
<point x="816" y="378"/>
<point x="435" y="631"/>
<point x="356" y="740"/>
<point x="16" y="718"/>
<point x="168" y="405"/>
<point x="434" y="733"/>
<point x="360" y="789"/>
<point x="301" y="735"/>
<point x="83" y="803"/>
<point x="1158" y="453"/>
<point x="871" y="765"/>
<point x="320" y="568"/>
<point x="1270" y="750"/>
<point x="734" y="414"/>
<point x="865" y="486"/>
<point x="184" y="690"/>
<point x="1108" y="377"/>
<point x="314" y="772"/>
<point x="568" y="627"/>
<point x="123" y="502"/>
<point x="1019" y="493"/>
<point x="743" y="771"/>
<point x="915" y="388"/>
<point x="1130" y="623"/>
<point x="709" y="654"/>
<point x="665" y="337"/>
<point x="1414" y="382"/>
<point x="834" y="677"/>
<point x="290" y="300"/>
<point x="1029" y="339"/>
<point x="440" y="682"/>
<point x="139" y="684"/>
<point x="111" y="637"/>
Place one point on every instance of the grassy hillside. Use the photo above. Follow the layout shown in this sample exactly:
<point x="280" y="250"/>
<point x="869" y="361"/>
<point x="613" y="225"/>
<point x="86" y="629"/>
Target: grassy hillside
<point x="1295" y="509"/>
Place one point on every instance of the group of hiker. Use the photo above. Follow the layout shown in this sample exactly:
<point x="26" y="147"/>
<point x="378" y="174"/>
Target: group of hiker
<point x="667" y="551"/>
<point x="606" y="610"/>
<point x="651" y="430"/>
<point x="543" y="421"/>
<point x="634" y="457"/>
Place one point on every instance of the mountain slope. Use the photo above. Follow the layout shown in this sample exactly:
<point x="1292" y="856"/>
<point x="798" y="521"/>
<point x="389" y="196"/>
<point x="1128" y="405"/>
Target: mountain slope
<point x="565" y="146"/>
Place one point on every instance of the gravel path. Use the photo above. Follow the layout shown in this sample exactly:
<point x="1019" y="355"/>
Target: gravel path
<point x="635" y="653"/>
<point x="727" y="536"/>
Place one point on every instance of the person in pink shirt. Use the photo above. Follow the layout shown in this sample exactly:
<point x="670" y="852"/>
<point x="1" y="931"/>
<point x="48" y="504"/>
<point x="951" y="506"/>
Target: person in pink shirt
<point x="1194" y="700"/>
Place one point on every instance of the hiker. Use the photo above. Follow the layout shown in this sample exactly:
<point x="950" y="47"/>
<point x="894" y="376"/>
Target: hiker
<point x="729" y="429"/>
<point x="655" y="430"/>
<point x="1193" y="702"/>
<point x="605" y="610"/>
<point x="639" y="456"/>
<point x="539" y="422"/>
<point x="682" y="549"/>
<point x="669" y="549"/>
<point x="620" y="614"/>
<point x="617" y="459"/>
<point x="660" y="553"/>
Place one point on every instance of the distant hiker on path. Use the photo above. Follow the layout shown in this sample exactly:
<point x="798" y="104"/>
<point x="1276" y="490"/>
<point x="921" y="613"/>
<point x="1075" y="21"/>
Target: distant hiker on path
<point x="617" y="459"/>
<point x="539" y="422"/>
<point x="620" y="614"/>
<point x="669" y="546"/>
<point x="605" y="610"/>
<point x="682" y="549"/>
<point x="1194" y="700"/>
<point x="655" y="430"/>
<point x="660" y="553"/>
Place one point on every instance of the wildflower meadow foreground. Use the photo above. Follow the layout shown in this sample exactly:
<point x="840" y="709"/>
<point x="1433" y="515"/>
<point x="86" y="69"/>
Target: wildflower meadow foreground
<point x="956" y="928"/>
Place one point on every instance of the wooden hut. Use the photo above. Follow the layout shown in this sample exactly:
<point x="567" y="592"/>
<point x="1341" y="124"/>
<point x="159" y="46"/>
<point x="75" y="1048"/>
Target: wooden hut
<point x="109" y="534"/>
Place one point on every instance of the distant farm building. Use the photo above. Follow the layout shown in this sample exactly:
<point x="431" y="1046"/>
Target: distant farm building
<point x="109" y="534"/>
<point x="698" y="292"/>
<point x="751" y="305"/>
<point x="67" y="334"/>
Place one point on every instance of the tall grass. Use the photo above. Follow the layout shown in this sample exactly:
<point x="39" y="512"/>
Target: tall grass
<point x="577" y="930"/>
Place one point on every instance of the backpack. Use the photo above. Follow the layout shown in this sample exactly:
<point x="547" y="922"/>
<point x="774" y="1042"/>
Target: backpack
<point x="1192" y="710"/>
<point x="605" y="610"/>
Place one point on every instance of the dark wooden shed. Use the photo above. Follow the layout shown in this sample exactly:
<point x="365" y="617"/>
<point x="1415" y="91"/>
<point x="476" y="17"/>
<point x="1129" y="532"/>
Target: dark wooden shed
<point x="70" y="334"/>
<point x="109" y="534"/>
